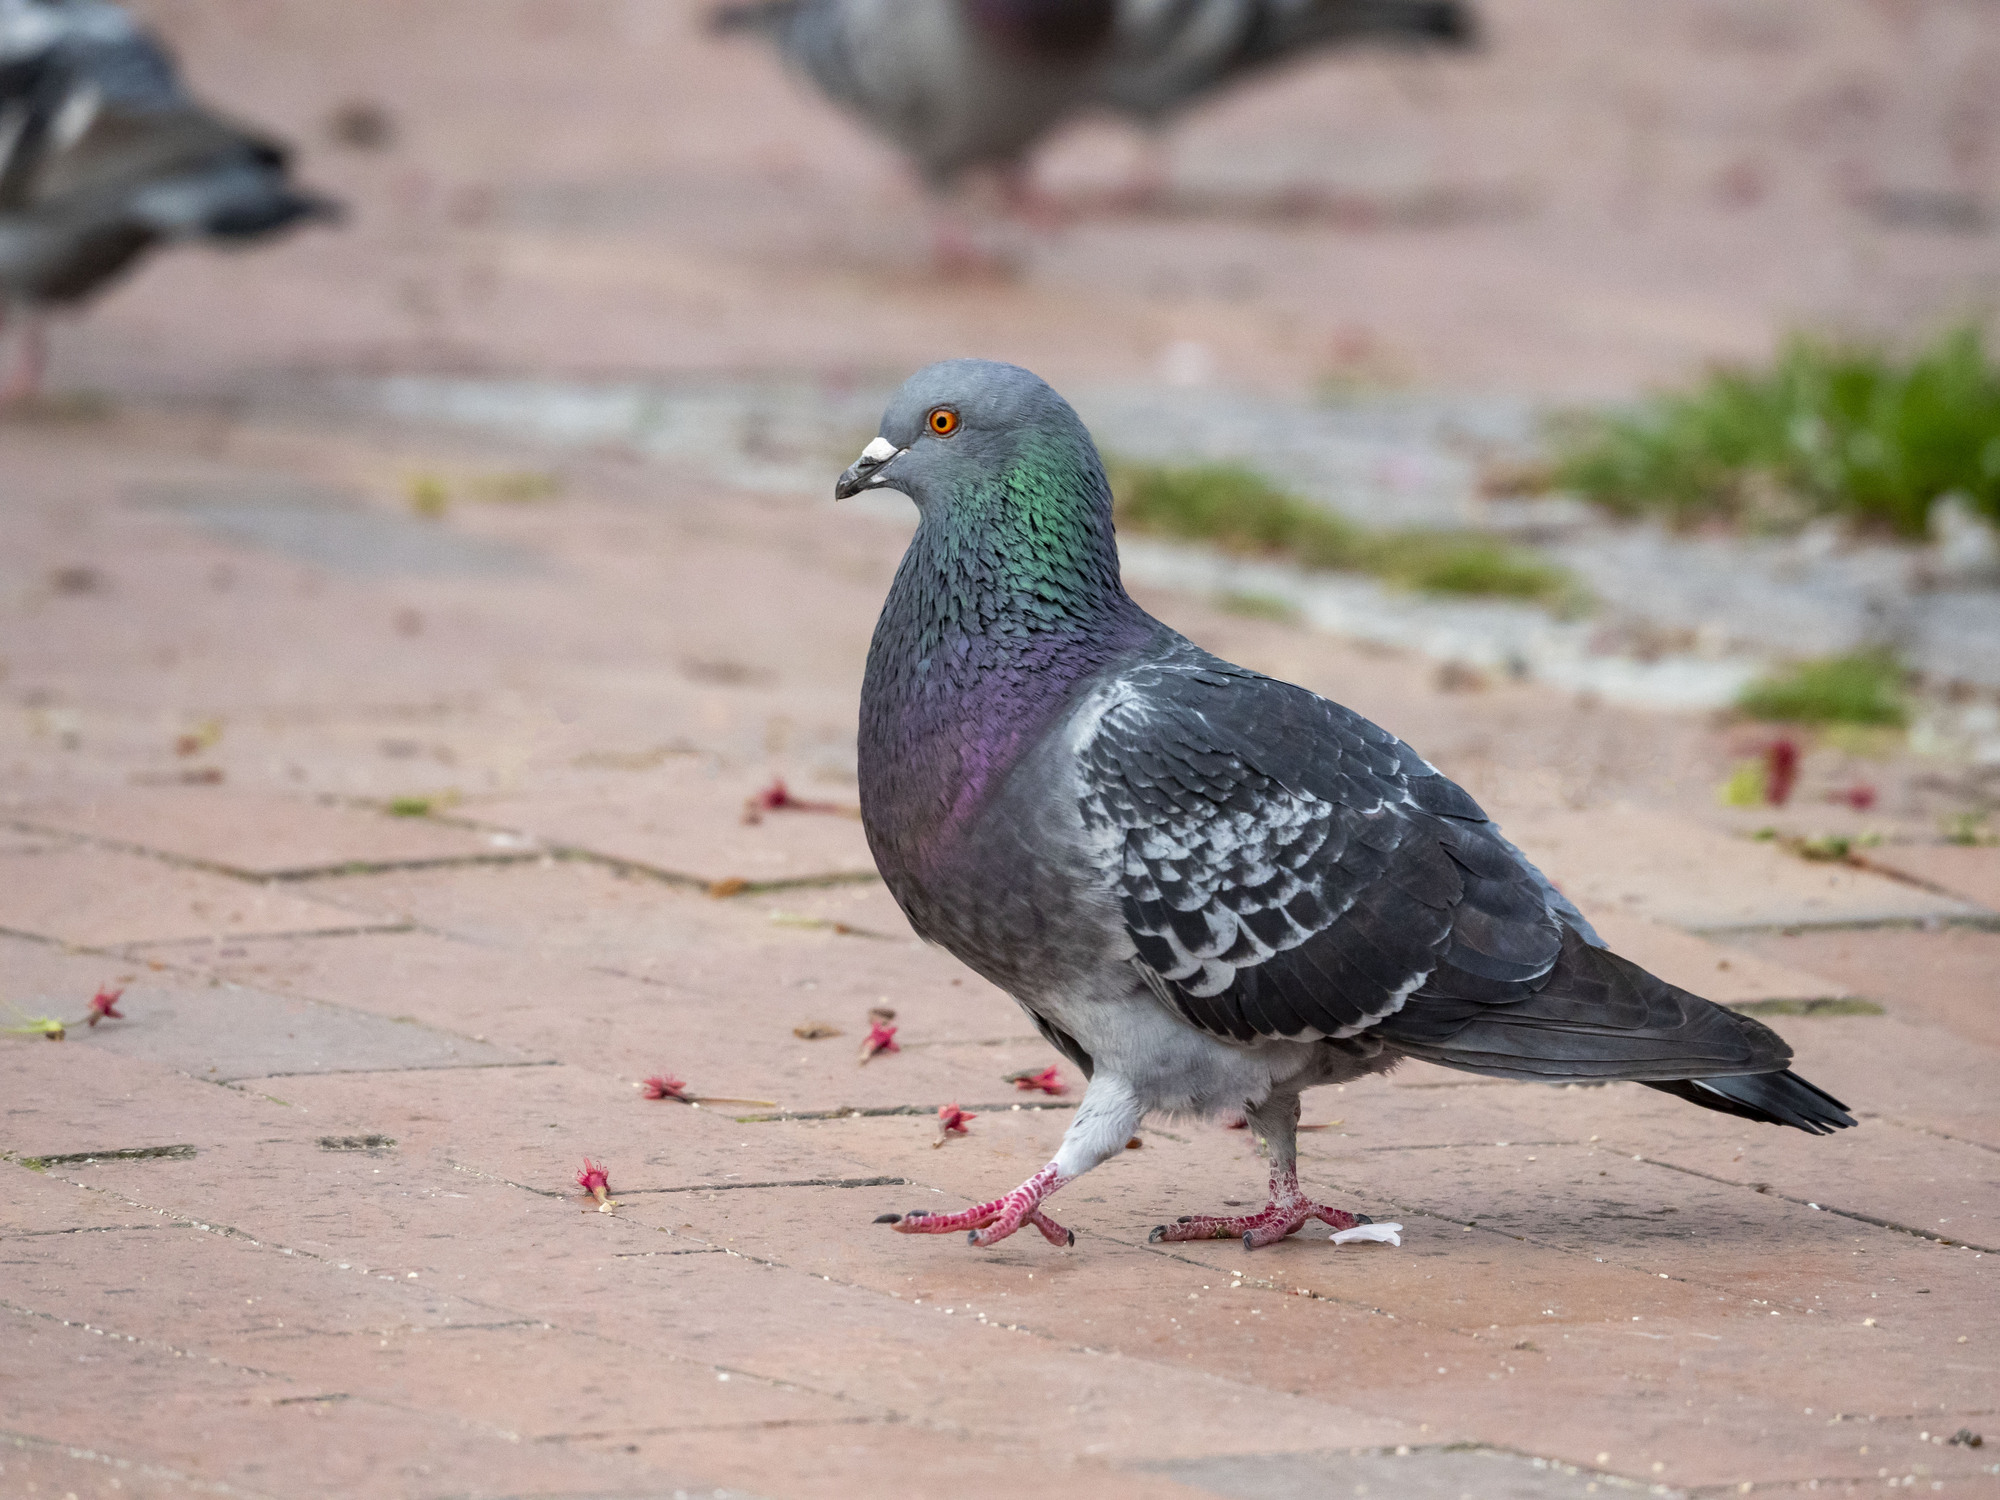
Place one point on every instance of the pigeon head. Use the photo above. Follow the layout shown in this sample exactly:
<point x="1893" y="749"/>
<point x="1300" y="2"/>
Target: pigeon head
<point x="960" y="430"/>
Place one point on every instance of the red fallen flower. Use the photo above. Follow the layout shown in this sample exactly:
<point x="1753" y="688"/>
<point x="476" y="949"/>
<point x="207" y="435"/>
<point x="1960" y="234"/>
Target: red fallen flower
<point x="594" y="1180"/>
<point x="951" y="1122"/>
<point x="1028" y="1080"/>
<point x="777" y="797"/>
<point x="666" y="1086"/>
<point x="881" y="1035"/>
<point x="105" y="1003"/>
<point x="1860" y="796"/>
<point x="1781" y="771"/>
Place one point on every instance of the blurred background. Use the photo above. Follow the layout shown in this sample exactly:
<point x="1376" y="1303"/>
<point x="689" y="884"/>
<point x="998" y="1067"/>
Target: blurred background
<point x="1636" y="348"/>
<point x="1596" y="200"/>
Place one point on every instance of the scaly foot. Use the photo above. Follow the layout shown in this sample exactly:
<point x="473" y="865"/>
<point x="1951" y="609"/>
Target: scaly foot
<point x="1285" y="1214"/>
<point x="992" y="1222"/>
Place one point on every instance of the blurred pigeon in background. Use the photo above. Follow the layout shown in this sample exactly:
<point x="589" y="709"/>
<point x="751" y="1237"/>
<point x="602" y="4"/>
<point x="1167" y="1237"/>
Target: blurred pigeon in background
<point x="1171" y="54"/>
<point x="954" y="84"/>
<point x="1209" y="889"/>
<point x="103" y="155"/>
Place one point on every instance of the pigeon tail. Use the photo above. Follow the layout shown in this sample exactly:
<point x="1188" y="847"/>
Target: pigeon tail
<point x="1774" y="1098"/>
<point x="1286" y="31"/>
<point x="752" y="15"/>
<point x="1602" y="1017"/>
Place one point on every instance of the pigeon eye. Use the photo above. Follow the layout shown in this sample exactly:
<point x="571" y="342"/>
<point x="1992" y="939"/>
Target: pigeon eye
<point x="942" y="421"/>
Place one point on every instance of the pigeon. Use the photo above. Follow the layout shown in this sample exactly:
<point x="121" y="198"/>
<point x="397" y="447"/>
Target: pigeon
<point x="104" y="155"/>
<point x="953" y="84"/>
<point x="1169" y="54"/>
<point x="1209" y="889"/>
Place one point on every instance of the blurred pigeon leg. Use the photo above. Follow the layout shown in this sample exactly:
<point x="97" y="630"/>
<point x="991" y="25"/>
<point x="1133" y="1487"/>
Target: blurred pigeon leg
<point x="25" y="382"/>
<point x="1277" y="1120"/>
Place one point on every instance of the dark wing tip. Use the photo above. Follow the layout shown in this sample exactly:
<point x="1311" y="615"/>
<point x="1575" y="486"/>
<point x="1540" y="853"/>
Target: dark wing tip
<point x="1773" y="1098"/>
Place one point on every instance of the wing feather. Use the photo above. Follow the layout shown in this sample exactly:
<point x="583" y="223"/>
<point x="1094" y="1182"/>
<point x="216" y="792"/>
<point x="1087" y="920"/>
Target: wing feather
<point x="1286" y="868"/>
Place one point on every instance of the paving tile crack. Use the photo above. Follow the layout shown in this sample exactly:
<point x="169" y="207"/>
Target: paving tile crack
<point x="853" y="1112"/>
<point x="1846" y="1213"/>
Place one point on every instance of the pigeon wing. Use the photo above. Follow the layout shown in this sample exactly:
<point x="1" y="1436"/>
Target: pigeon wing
<point x="1288" y="869"/>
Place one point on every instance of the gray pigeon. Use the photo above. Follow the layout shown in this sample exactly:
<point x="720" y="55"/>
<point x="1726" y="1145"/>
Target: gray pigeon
<point x="103" y="155"/>
<point x="1170" y="54"/>
<point x="952" y="83"/>
<point x="1208" y="889"/>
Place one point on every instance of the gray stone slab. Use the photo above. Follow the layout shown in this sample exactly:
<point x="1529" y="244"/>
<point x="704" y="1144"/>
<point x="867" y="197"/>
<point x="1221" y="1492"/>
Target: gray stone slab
<point x="226" y="1032"/>
<point x="331" y="529"/>
<point x="1417" y="1474"/>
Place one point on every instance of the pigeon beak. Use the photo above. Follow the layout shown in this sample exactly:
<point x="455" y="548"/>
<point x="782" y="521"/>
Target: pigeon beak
<point x="865" y="473"/>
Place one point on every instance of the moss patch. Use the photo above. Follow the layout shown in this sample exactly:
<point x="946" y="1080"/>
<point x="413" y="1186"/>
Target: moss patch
<point x="1241" y="511"/>
<point x="1863" y="687"/>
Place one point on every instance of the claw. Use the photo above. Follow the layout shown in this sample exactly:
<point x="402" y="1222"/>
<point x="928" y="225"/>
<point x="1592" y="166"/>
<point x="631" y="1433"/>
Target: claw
<point x="1288" y="1210"/>
<point x="888" y="1218"/>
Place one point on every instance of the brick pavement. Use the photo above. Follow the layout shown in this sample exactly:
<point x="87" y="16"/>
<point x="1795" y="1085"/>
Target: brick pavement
<point x="303" y="1223"/>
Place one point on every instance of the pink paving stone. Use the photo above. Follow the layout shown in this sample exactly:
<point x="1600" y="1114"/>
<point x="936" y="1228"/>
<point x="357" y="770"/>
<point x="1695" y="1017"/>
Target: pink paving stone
<point x="75" y="1096"/>
<point x="241" y="1428"/>
<point x="634" y="1316"/>
<point x="222" y="1031"/>
<point x="1969" y="872"/>
<point x="1651" y="864"/>
<point x="736" y="1039"/>
<point x="1728" y="976"/>
<point x="1104" y="1307"/>
<point x="689" y="821"/>
<point x="100" y="897"/>
<point x="1948" y="979"/>
<point x="253" y="832"/>
<point x="35" y="1466"/>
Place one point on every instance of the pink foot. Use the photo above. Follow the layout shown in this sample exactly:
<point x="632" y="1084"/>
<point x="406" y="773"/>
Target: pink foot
<point x="991" y="1223"/>
<point x="1285" y="1214"/>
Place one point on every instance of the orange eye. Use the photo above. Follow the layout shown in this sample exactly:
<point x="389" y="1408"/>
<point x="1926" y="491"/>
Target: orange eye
<point x="942" y="421"/>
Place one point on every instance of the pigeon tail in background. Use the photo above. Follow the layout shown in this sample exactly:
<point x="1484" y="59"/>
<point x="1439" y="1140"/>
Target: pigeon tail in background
<point x="1172" y="54"/>
<point x="103" y="156"/>
<point x="1211" y="890"/>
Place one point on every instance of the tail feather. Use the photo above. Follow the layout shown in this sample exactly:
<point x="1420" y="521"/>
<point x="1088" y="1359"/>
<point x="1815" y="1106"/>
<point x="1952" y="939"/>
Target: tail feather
<point x="752" y="15"/>
<point x="1602" y="1017"/>
<point x="1773" y="1098"/>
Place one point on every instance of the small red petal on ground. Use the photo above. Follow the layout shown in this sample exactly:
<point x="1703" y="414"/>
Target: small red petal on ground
<point x="664" y="1086"/>
<point x="1048" y="1080"/>
<point x="1781" y="771"/>
<point x="951" y="1121"/>
<point x="105" y="1003"/>
<point x="1860" y="796"/>
<point x="881" y="1035"/>
<point x="777" y="797"/>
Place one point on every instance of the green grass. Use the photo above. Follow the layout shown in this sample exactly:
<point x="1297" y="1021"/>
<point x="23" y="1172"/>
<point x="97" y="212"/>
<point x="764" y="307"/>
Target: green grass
<point x="410" y="807"/>
<point x="1259" y="607"/>
<point x="1830" y="429"/>
<point x="1864" y="687"/>
<point x="1843" y="1006"/>
<point x="1241" y="511"/>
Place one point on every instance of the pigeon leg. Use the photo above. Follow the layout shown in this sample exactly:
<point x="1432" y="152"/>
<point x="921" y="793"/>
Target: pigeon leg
<point x="1277" y="1120"/>
<point x="992" y="1222"/>
<point x="1104" y="1122"/>
<point x="26" y="381"/>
